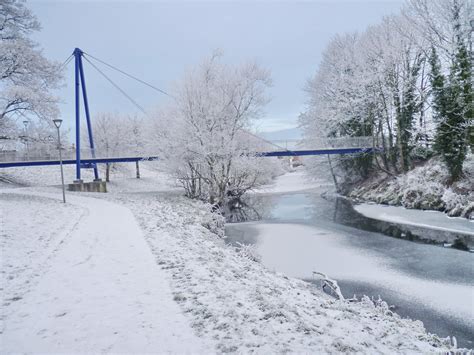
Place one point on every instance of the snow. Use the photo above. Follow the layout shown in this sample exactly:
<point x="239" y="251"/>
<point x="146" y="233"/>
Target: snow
<point x="243" y="307"/>
<point x="137" y="270"/>
<point x="326" y="251"/>
<point x="425" y="187"/>
<point x="123" y="177"/>
<point x="33" y="229"/>
<point x="100" y="289"/>
<point x="428" y="219"/>
<point x="291" y="182"/>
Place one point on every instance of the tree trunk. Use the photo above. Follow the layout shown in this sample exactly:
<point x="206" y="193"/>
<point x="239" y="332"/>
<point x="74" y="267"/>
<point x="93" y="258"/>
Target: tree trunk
<point x="333" y="174"/>
<point x="384" y="147"/>
<point x="107" y="172"/>
<point x="400" y="146"/>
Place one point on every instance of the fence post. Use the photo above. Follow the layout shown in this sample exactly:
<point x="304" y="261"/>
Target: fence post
<point x="137" y="167"/>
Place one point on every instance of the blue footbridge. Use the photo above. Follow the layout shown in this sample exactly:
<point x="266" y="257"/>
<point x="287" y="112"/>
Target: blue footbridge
<point x="90" y="157"/>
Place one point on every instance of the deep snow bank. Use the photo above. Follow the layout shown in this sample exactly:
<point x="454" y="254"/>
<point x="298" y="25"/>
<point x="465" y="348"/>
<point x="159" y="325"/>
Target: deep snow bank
<point x="240" y="306"/>
<point x="424" y="187"/>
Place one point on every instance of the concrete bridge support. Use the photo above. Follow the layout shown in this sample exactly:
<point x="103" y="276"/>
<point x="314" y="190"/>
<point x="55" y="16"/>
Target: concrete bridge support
<point x="93" y="186"/>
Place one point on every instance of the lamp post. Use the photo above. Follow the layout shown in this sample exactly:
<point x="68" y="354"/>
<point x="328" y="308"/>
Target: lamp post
<point x="57" y="123"/>
<point x="25" y="123"/>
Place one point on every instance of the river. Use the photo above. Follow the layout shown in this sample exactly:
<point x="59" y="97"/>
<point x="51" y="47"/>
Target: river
<point x="302" y="232"/>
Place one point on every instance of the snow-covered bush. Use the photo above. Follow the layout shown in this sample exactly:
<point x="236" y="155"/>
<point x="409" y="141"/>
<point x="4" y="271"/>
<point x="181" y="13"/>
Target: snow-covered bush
<point x="425" y="187"/>
<point x="214" y="222"/>
<point x="248" y="251"/>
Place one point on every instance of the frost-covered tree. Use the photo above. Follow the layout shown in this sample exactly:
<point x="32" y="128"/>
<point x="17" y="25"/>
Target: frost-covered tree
<point x="452" y="98"/>
<point x="27" y="78"/>
<point x="393" y="53"/>
<point x="203" y="135"/>
<point x="440" y="23"/>
<point x="369" y="84"/>
<point x="377" y="83"/>
<point x="117" y="135"/>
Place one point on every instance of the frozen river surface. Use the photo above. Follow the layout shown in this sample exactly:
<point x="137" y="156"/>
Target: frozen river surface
<point x="430" y="219"/>
<point x="301" y="232"/>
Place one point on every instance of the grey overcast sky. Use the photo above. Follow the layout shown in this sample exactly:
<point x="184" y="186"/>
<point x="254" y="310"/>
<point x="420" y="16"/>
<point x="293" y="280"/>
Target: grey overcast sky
<point x="158" y="41"/>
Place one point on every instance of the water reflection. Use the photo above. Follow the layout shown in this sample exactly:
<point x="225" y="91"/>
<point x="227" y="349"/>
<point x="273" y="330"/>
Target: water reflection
<point x="301" y="207"/>
<point x="250" y="208"/>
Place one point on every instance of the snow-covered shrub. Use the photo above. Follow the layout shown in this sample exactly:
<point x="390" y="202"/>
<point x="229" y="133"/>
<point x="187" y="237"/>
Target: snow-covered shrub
<point x="426" y="197"/>
<point x="468" y="211"/>
<point x="248" y="251"/>
<point x="453" y="202"/>
<point x="424" y="187"/>
<point x="421" y="153"/>
<point x="214" y="222"/>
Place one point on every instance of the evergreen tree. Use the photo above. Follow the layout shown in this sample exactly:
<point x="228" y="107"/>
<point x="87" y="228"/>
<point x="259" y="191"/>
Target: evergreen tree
<point x="464" y="96"/>
<point x="452" y="105"/>
<point x="464" y="77"/>
<point x="437" y="86"/>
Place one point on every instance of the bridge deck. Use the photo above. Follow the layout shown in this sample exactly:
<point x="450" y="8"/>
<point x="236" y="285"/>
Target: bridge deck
<point x="285" y="153"/>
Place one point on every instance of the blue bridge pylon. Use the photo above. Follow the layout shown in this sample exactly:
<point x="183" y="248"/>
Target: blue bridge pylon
<point x="80" y="81"/>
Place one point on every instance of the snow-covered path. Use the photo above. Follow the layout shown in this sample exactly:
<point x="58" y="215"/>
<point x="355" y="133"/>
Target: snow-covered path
<point x="102" y="292"/>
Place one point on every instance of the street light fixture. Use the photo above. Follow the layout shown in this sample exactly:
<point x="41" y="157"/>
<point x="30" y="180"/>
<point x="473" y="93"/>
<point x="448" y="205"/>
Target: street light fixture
<point x="57" y="122"/>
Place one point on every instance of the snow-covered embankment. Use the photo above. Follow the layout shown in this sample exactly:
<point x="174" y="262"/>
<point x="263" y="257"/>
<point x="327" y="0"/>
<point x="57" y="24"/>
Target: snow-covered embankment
<point x="240" y="306"/>
<point x="103" y="290"/>
<point x="425" y="188"/>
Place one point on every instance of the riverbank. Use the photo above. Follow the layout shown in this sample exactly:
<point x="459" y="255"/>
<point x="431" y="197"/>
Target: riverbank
<point x="231" y="302"/>
<point x="423" y="188"/>
<point x="425" y="226"/>
<point x="244" y="307"/>
<point x="431" y="227"/>
<point x="303" y="232"/>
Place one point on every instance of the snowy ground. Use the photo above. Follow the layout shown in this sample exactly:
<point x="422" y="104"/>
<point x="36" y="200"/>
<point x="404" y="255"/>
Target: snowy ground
<point x="97" y="289"/>
<point x="428" y="219"/>
<point x="244" y="307"/>
<point x="33" y="229"/>
<point x="122" y="177"/>
<point x="146" y="271"/>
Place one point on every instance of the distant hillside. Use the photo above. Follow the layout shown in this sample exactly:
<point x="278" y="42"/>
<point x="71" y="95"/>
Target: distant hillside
<point x="284" y="134"/>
